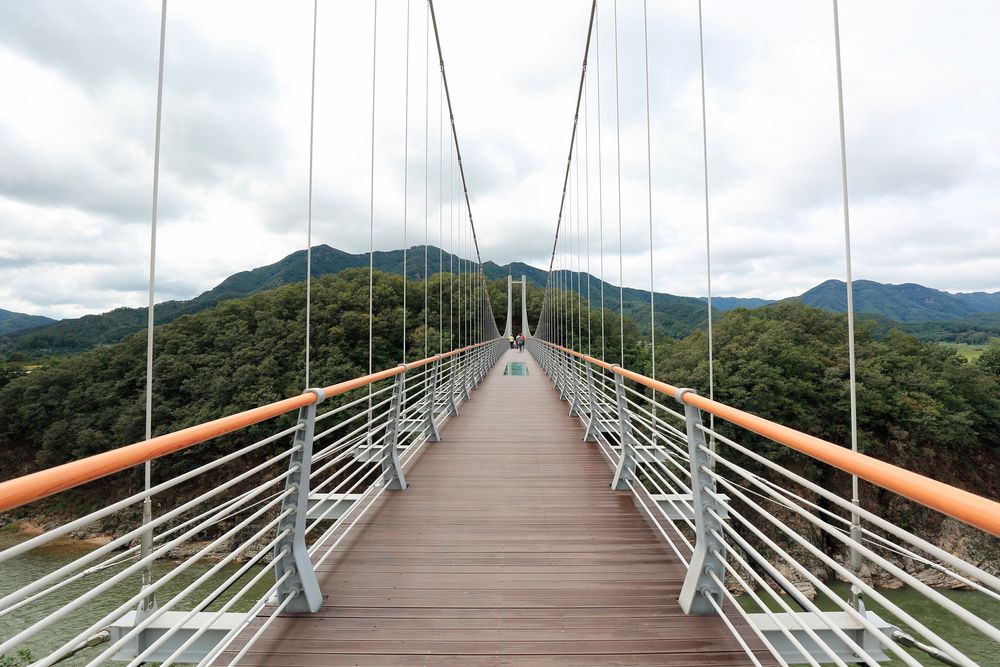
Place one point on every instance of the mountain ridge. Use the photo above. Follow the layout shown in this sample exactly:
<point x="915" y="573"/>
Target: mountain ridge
<point x="11" y="322"/>
<point x="677" y="316"/>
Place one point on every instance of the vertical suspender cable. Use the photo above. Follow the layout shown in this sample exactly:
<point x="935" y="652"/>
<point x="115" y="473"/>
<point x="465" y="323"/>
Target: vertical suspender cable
<point x="855" y="519"/>
<point x="440" y="217"/>
<point x="147" y="506"/>
<point x="427" y="149"/>
<point x="600" y="177"/>
<point x="579" y="267"/>
<point x="406" y="170"/>
<point x="586" y="185"/>
<point x="572" y="140"/>
<point x="570" y="260"/>
<point x="618" y="164"/>
<point x="451" y="246"/>
<point x="708" y="228"/>
<point x="312" y="123"/>
<point x="461" y="252"/>
<point x="371" y="209"/>
<point x="649" y="193"/>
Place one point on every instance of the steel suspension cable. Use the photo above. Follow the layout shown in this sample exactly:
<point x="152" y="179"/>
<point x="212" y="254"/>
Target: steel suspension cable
<point x="440" y="217"/>
<point x="708" y="227"/>
<point x="451" y="246"/>
<point x="618" y="165"/>
<point x="579" y="267"/>
<point x="427" y="148"/>
<point x="406" y="173"/>
<point x="855" y="500"/>
<point x="147" y="507"/>
<point x="572" y="141"/>
<point x="371" y="205"/>
<point x="586" y="185"/>
<point x="309" y="208"/>
<point x="649" y="193"/>
<point x="454" y="130"/>
<point x="600" y="177"/>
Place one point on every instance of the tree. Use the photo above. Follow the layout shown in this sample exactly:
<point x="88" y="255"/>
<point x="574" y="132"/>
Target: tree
<point x="989" y="362"/>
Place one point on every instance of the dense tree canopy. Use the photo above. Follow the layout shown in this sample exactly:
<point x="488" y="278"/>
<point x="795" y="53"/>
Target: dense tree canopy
<point x="240" y="354"/>
<point x="919" y="405"/>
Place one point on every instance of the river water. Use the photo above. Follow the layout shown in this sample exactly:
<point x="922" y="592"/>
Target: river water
<point x="30" y="567"/>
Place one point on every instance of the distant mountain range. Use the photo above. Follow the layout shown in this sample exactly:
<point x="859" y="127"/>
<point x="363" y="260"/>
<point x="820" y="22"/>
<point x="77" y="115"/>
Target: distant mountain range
<point x="11" y="321"/>
<point x="675" y="315"/>
<point x="908" y="302"/>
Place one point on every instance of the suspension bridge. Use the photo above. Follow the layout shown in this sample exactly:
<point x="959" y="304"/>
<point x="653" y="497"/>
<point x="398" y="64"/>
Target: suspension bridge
<point x="485" y="505"/>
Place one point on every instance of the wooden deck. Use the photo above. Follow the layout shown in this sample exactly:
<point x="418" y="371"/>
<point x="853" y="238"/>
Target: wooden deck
<point x="509" y="548"/>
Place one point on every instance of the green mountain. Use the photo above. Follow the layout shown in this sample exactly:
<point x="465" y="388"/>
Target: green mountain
<point x="11" y="321"/>
<point x="908" y="302"/>
<point x="726" y="303"/>
<point x="84" y="333"/>
<point x="677" y="316"/>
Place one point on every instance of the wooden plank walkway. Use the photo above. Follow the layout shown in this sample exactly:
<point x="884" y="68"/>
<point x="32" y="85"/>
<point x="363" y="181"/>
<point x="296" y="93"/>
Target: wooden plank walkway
<point x="508" y="548"/>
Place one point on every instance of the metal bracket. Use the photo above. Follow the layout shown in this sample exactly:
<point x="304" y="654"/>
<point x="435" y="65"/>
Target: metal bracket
<point x="698" y="582"/>
<point x="625" y="471"/>
<point x="290" y="552"/>
<point x="392" y="471"/>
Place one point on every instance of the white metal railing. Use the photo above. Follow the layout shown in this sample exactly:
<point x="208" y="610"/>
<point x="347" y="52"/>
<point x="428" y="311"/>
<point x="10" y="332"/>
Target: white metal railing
<point x="741" y="533"/>
<point x="269" y="511"/>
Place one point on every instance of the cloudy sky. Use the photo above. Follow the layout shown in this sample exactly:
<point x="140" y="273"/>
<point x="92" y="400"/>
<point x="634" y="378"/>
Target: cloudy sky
<point x="77" y="120"/>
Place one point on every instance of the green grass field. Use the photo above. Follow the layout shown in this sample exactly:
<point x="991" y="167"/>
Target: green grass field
<point x="970" y="352"/>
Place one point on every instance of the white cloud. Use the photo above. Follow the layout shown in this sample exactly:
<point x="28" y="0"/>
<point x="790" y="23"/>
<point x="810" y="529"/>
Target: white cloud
<point x="76" y="135"/>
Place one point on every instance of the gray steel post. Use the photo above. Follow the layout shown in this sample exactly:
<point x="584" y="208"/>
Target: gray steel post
<point x="392" y="471"/>
<point x="560" y="380"/>
<point x="625" y="471"/>
<point x="464" y="360"/>
<point x="574" y="407"/>
<point x="452" y="405"/>
<point x="698" y="582"/>
<point x="593" y="423"/>
<point x="291" y="553"/>
<point x="431" y="401"/>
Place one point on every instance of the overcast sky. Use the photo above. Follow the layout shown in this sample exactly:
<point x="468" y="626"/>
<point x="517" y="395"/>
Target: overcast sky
<point x="77" y="119"/>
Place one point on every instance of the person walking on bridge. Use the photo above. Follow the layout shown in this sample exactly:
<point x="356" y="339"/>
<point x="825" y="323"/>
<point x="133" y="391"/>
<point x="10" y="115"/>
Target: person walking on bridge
<point x="511" y="339"/>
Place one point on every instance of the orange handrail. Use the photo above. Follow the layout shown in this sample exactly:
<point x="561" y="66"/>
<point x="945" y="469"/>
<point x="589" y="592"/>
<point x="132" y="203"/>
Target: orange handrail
<point x="974" y="510"/>
<point x="35" y="486"/>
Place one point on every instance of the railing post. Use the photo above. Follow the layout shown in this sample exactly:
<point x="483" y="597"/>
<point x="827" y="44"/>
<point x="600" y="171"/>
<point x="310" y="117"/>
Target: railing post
<point x="392" y="471"/>
<point x="625" y="472"/>
<point x="290" y="552"/>
<point x="698" y="582"/>
<point x="477" y="368"/>
<point x="593" y="424"/>
<point x="431" y="400"/>
<point x="574" y="407"/>
<point x="464" y="356"/>
<point x="560" y="381"/>
<point x="452" y="405"/>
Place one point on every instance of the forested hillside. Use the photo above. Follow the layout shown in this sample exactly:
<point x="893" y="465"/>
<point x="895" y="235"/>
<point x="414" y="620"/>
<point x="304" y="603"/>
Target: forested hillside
<point x="919" y="405"/>
<point x="238" y="355"/>
<point x="677" y="316"/>
<point x="11" y="322"/>
<point x="908" y="302"/>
